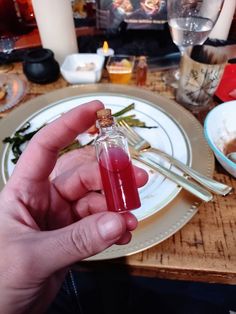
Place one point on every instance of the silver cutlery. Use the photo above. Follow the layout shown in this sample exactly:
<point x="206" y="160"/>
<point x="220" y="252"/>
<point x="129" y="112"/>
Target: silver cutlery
<point x="142" y="145"/>
<point x="190" y="186"/>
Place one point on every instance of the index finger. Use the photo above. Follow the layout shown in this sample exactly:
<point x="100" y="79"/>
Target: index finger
<point x="39" y="158"/>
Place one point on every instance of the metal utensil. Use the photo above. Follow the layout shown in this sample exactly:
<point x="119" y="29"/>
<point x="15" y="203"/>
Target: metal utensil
<point x="142" y="145"/>
<point x="190" y="186"/>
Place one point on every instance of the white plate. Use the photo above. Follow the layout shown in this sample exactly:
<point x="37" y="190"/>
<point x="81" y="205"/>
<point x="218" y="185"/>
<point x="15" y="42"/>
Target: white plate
<point x="167" y="135"/>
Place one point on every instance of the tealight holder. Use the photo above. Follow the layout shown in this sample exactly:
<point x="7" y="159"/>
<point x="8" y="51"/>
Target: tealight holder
<point x="105" y="51"/>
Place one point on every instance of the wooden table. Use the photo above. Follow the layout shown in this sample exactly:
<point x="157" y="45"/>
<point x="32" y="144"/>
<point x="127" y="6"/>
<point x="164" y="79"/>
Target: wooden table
<point x="204" y="249"/>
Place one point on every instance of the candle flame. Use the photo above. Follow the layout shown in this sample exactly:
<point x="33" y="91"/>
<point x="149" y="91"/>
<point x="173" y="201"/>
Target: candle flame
<point x="105" y="47"/>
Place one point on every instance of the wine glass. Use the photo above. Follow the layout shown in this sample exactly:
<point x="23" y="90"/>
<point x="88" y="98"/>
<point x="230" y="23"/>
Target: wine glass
<point x="190" y="23"/>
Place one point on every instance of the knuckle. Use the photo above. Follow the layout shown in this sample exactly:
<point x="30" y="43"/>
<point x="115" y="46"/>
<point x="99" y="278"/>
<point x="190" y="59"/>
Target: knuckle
<point x="82" y="241"/>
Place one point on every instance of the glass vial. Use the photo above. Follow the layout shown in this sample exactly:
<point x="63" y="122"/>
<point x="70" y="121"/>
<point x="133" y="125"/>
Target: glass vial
<point x="141" y="72"/>
<point x="115" y="165"/>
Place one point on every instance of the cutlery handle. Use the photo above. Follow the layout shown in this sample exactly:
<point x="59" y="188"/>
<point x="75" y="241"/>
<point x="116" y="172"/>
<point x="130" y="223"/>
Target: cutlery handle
<point x="192" y="187"/>
<point x="211" y="184"/>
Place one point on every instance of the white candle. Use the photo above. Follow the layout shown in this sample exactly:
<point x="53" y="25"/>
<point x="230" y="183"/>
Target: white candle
<point x="222" y="26"/>
<point x="56" y="26"/>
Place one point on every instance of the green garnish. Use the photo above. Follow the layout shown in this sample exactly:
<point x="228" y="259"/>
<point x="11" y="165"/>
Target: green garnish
<point x="20" y="137"/>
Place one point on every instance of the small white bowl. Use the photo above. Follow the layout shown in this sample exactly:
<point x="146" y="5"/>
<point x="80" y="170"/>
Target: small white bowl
<point x="220" y="129"/>
<point x="82" y="68"/>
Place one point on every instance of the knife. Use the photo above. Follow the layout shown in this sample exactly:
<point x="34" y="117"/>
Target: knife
<point x="186" y="184"/>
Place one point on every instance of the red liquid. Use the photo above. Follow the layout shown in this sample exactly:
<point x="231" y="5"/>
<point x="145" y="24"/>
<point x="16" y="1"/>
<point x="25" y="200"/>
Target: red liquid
<point x="141" y="76"/>
<point x="118" y="180"/>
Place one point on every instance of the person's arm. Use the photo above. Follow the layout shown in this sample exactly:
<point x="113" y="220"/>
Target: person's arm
<point x="41" y="230"/>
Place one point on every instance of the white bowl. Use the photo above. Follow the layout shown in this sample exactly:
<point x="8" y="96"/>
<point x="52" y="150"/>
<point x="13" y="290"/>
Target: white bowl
<point x="220" y="129"/>
<point x="82" y="68"/>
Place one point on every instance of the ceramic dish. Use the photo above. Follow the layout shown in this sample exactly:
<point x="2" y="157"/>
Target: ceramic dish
<point x="81" y="68"/>
<point x="220" y="129"/>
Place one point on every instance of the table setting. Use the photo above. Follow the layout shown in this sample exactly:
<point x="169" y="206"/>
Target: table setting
<point x="188" y="205"/>
<point x="192" y="151"/>
<point x="165" y="133"/>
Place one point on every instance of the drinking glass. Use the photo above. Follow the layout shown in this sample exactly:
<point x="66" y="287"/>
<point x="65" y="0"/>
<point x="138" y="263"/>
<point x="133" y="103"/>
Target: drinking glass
<point x="9" y="28"/>
<point x="7" y="44"/>
<point x="120" y="68"/>
<point x="190" y="23"/>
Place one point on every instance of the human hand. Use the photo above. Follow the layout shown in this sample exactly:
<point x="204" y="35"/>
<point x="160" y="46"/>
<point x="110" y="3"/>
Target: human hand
<point x="41" y="230"/>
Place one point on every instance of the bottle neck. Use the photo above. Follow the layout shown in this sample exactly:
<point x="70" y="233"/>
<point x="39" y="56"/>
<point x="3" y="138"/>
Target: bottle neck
<point x="107" y="129"/>
<point x="106" y="126"/>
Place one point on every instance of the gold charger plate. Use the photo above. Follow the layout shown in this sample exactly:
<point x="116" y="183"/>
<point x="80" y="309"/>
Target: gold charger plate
<point x="175" y="214"/>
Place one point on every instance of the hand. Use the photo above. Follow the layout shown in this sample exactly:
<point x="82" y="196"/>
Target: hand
<point x="41" y="230"/>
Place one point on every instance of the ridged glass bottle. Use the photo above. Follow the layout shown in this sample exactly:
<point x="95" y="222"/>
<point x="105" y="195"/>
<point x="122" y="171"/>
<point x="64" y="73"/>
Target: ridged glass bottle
<point x="115" y="165"/>
<point x="141" y="71"/>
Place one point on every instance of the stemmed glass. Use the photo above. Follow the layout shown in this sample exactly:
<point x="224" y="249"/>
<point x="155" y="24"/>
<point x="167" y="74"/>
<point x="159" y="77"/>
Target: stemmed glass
<point x="190" y="22"/>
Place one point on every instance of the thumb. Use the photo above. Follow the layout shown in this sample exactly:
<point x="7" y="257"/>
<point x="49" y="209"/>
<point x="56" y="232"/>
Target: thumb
<point x="78" y="241"/>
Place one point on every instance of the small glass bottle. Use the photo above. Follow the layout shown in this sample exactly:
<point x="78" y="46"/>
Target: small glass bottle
<point x="141" y="72"/>
<point x="115" y="165"/>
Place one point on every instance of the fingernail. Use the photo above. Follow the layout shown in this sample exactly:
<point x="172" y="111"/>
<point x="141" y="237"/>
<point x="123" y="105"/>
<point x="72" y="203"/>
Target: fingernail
<point x="110" y="226"/>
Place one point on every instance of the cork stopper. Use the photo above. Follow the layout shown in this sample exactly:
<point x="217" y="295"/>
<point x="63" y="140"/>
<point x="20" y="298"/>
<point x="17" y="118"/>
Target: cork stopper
<point x="142" y="58"/>
<point x="105" y="118"/>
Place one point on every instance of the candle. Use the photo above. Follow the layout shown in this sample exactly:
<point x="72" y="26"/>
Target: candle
<point x="222" y="26"/>
<point x="105" y="50"/>
<point x="56" y="27"/>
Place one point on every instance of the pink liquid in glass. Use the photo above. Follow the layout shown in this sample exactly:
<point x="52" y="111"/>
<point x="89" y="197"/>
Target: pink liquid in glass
<point x="118" y="180"/>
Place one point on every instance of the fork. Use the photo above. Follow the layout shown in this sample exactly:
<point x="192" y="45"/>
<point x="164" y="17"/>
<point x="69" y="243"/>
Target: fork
<point x="142" y="145"/>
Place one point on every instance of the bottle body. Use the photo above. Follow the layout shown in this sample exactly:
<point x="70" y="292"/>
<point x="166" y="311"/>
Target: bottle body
<point x="141" y="75"/>
<point x="116" y="170"/>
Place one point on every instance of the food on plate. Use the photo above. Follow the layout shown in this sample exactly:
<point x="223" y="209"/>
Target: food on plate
<point x="230" y="146"/>
<point x="21" y="137"/>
